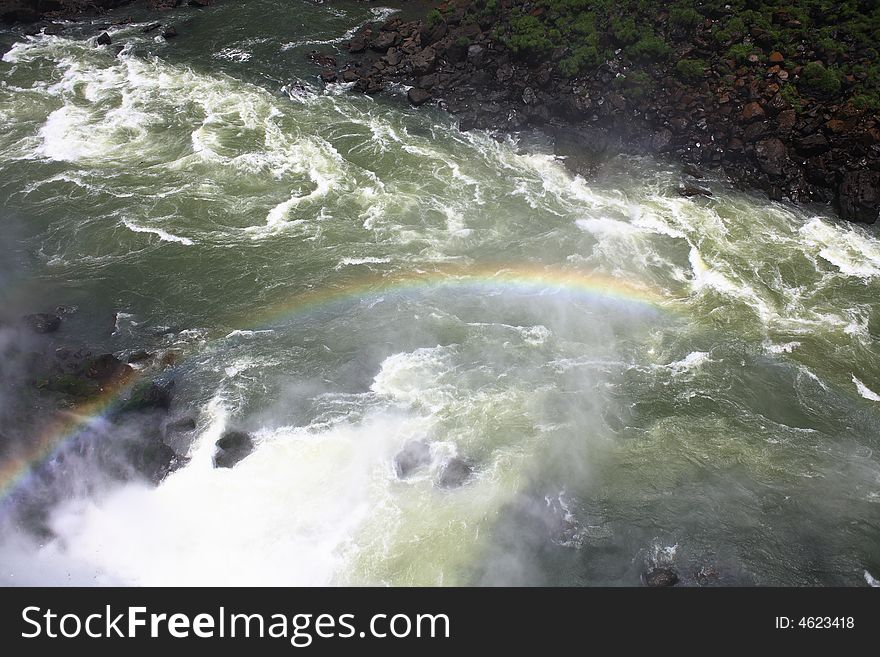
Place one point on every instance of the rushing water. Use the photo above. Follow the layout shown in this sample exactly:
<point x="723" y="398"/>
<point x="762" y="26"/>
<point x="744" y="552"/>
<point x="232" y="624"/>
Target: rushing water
<point x="343" y="274"/>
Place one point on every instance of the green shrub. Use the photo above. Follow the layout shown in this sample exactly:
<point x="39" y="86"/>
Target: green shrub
<point x="684" y="17"/>
<point x="816" y="80"/>
<point x="690" y="70"/>
<point x="867" y="101"/>
<point x="650" y="47"/>
<point x="434" y="17"/>
<point x="634" y="85"/>
<point x="527" y="35"/>
<point x="740" y="53"/>
<point x="792" y="97"/>
<point x="581" y="60"/>
<point x="624" y="30"/>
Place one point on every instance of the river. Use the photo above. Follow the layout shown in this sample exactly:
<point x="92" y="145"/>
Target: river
<point x="636" y="378"/>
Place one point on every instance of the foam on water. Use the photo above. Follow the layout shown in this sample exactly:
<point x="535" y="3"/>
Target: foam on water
<point x="306" y="189"/>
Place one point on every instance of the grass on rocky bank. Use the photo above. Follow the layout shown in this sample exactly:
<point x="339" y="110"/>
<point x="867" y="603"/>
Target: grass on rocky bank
<point x="835" y="42"/>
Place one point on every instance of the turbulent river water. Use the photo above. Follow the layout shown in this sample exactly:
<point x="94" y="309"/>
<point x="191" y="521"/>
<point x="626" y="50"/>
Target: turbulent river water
<point x="636" y="378"/>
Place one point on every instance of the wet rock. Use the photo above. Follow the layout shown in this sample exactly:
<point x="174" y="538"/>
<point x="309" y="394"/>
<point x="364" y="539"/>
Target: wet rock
<point x="692" y="171"/>
<point x="139" y="356"/>
<point x="357" y="44"/>
<point x="169" y="33"/>
<point x="153" y="458"/>
<point x="414" y="455"/>
<point x="325" y="60"/>
<point x="417" y="96"/>
<point x="772" y="155"/>
<point x="232" y="447"/>
<point x="858" y="196"/>
<point x="659" y="577"/>
<point x="328" y="75"/>
<point x="107" y="369"/>
<point x="661" y="139"/>
<point x="689" y="189"/>
<point x="455" y="473"/>
<point x="149" y="396"/>
<point x="152" y="27"/>
<point x="812" y="144"/>
<point x="103" y="40"/>
<point x="42" y="322"/>
<point x="182" y="425"/>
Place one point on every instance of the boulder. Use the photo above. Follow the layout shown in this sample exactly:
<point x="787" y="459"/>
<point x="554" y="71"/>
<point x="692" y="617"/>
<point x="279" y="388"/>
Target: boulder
<point x="414" y="455"/>
<point x="752" y="112"/>
<point x="858" y="196"/>
<point x="418" y="96"/>
<point x="688" y="189"/>
<point x="104" y="40"/>
<point x="383" y="41"/>
<point x="772" y="155"/>
<point x="42" y="322"/>
<point x="328" y="75"/>
<point x="455" y="473"/>
<point x="149" y="396"/>
<point x="232" y="447"/>
<point x="659" y="577"/>
<point x="812" y="144"/>
<point x="357" y="44"/>
<point x="169" y="32"/>
<point x="424" y="61"/>
<point x="152" y="27"/>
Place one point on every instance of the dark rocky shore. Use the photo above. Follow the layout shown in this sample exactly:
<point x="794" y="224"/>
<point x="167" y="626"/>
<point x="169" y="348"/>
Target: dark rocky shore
<point x="799" y="125"/>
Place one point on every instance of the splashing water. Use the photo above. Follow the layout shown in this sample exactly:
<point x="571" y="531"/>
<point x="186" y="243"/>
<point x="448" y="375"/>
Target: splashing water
<point x="350" y="274"/>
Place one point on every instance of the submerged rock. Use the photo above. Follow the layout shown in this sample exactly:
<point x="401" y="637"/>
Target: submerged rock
<point x="170" y="33"/>
<point x="414" y="455"/>
<point x="659" y="577"/>
<point x="455" y="473"/>
<point x="232" y="447"/>
<point x="42" y="322"/>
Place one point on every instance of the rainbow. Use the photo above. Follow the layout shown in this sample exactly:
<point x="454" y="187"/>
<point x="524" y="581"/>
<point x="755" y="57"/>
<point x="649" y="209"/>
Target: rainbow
<point x="532" y="280"/>
<point x="520" y="279"/>
<point x="15" y="471"/>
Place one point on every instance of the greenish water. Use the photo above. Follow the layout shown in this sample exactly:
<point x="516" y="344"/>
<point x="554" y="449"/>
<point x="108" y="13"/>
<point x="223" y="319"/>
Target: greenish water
<point x="203" y="187"/>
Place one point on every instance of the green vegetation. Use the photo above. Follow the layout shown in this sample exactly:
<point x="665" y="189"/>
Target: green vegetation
<point x="690" y="70"/>
<point x="434" y="17"/>
<point x="634" y="85"/>
<point x="818" y="81"/>
<point x="792" y="97"/>
<point x="582" y="34"/>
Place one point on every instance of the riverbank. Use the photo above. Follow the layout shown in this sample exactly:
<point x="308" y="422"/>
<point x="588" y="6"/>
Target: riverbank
<point x="780" y="100"/>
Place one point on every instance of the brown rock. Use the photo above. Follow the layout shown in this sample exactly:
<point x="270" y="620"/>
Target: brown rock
<point x="418" y="96"/>
<point x="423" y="62"/>
<point x="776" y="57"/>
<point x="786" y="120"/>
<point x="752" y="111"/>
<point x="772" y="155"/>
